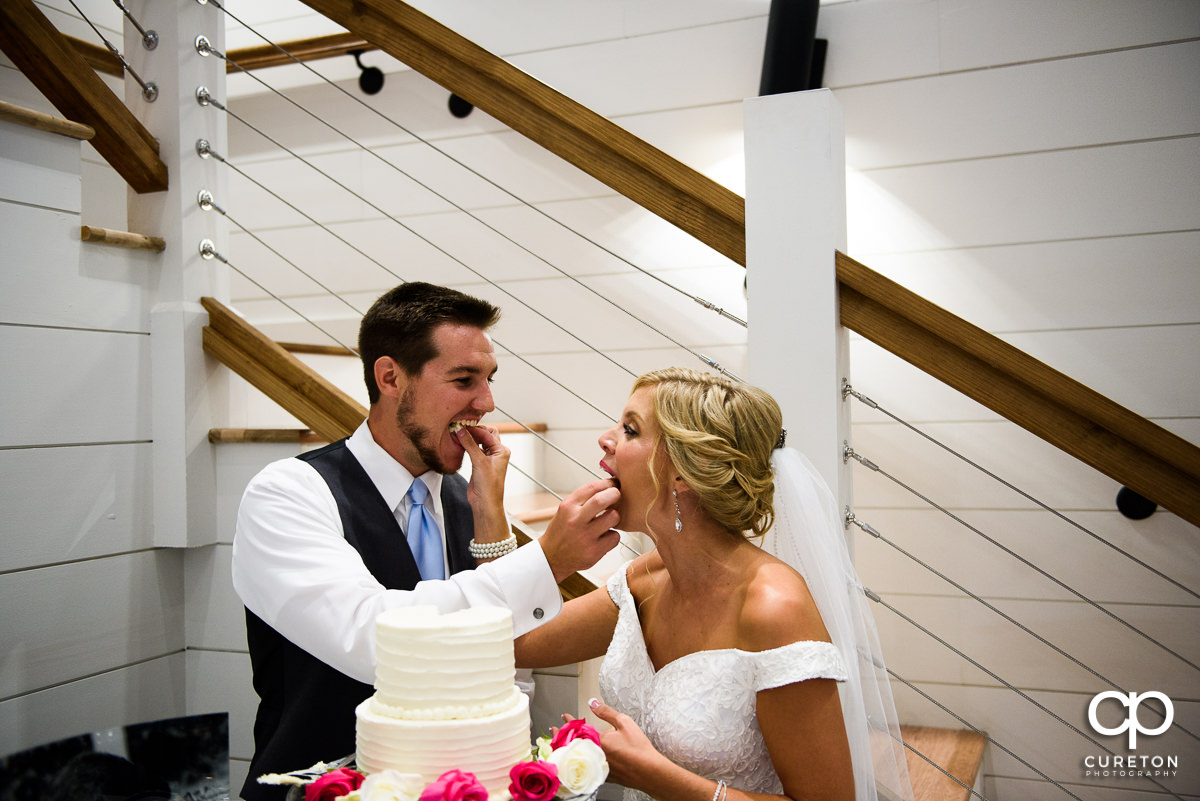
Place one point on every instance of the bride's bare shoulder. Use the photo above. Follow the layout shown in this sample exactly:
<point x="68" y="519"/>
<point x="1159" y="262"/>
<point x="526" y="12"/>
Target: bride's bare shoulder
<point x="778" y="609"/>
<point x="643" y="573"/>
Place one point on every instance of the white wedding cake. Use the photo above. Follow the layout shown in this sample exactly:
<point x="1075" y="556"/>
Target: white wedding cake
<point x="444" y="697"/>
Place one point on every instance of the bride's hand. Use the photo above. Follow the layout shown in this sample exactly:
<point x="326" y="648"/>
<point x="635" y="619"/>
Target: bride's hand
<point x="631" y="757"/>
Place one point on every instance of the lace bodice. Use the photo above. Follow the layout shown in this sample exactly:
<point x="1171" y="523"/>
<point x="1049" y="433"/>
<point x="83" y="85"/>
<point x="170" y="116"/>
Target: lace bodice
<point x="699" y="711"/>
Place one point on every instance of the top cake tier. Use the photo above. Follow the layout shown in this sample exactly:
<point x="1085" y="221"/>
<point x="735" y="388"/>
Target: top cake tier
<point x="431" y="666"/>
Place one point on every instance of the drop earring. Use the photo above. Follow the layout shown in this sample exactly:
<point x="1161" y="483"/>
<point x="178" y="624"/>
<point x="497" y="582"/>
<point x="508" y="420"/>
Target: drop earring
<point x="678" y="520"/>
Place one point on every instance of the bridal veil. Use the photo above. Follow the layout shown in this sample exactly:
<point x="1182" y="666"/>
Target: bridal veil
<point x="808" y="535"/>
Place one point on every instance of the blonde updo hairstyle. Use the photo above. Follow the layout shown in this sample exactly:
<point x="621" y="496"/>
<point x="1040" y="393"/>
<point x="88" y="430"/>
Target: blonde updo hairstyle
<point x="719" y="435"/>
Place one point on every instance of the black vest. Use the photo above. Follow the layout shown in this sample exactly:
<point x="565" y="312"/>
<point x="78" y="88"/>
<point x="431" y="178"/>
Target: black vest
<point x="306" y="708"/>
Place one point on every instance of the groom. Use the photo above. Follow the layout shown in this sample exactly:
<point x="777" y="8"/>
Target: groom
<point x="326" y="541"/>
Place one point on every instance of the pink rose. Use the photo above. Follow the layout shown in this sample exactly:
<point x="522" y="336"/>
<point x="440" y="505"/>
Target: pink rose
<point x="573" y="730"/>
<point x="533" y="781"/>
<point x="455" y="785"/>
<point x="333" y="784"/>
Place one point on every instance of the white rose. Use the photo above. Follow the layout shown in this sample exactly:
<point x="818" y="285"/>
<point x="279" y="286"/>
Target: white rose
<point x="543" y="749"/>
<point x="391" y="785"/>
<point x="581" y="766"/>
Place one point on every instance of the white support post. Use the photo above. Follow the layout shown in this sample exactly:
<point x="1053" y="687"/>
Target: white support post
<point x="795" y="220"/>
<point x="186" y="389"/>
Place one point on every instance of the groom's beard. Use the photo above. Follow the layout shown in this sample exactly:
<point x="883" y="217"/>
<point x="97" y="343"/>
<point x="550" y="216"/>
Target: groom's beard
<point x="421" y="437"/>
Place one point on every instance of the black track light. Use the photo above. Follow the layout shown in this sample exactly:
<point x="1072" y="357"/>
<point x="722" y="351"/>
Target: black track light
<point x="459" y="107"/>
<point x="371" y="80"/>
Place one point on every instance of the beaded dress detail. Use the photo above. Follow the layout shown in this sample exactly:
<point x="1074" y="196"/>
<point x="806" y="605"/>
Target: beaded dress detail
<point x="699" y="710"/>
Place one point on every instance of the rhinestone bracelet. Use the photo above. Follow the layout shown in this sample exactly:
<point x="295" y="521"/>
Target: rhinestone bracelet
<point x="491" y="550"/>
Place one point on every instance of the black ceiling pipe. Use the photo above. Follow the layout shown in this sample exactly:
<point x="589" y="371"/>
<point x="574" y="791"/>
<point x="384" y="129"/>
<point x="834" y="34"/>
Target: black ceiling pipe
<point x="788" y="54"/>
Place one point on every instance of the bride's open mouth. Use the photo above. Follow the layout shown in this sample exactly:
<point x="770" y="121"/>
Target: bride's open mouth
<point x="611" y="475"/>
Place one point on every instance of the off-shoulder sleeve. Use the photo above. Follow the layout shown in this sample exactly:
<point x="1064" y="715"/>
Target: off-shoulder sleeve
<point x="618" y="584"/>
<point x="797" y="661"/>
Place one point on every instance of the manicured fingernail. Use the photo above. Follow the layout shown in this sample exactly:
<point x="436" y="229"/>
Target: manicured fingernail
<point x="593" y="703"/>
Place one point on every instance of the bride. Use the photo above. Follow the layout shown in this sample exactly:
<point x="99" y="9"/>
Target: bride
<point x="730" y="673"/>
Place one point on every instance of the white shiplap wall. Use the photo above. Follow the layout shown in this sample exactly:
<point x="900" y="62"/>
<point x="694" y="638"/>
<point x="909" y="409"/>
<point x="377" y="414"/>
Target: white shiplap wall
<point x="1039" y="177"/>
<point x="95" y="623"/>
<point x="92" y="629"/>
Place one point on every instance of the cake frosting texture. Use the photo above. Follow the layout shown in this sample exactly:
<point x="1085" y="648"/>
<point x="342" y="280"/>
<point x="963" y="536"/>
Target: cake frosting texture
<point x="444" y="697"/>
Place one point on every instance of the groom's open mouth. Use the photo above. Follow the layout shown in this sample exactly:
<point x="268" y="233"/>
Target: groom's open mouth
<point x="456" y="425"/>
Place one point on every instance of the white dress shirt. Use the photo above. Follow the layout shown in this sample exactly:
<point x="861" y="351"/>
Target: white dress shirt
<point x="294" y="569"/>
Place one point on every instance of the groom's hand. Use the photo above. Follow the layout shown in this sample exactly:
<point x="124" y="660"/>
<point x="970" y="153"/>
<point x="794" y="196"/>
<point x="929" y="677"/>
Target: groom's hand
<point x="582" y="529"/>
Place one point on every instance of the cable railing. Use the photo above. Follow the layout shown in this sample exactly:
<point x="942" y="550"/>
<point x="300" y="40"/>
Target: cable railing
<point x="208" y="203"/>
<point x="1116" y="567"/>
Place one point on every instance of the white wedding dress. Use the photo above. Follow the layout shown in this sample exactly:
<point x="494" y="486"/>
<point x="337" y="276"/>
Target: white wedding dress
<point x="699" y="711"/>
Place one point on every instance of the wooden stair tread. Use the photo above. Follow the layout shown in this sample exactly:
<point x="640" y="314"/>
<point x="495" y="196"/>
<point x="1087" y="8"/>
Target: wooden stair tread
<point x="959" y="751"/>
<point x="306" y="436"/>
<point x="536" y="507"/>
<point x="123" y="239"/>
<point x="45" y="122"/>
<point x="299" y="435"/>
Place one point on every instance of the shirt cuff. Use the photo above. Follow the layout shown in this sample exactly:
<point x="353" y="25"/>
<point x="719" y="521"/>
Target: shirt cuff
<point x="528" y="581"/>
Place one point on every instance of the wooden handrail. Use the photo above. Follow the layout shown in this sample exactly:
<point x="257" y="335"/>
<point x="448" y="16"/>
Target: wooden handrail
<point x="1119" y="443"/>
<point x="1124" y="446"/>
<point x="269" y="55"/>
<point x="50" y="62"/>
<point x="677" y="193"/>
<point x="243" y="59"/>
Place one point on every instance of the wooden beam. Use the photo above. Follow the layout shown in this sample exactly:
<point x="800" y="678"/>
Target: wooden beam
<point x="289" y="382"/>
<point x="1080" y="421"/>
<point x="53" y="66"/>
<point x="317" y="47"/>
<point x="675" y="192"/>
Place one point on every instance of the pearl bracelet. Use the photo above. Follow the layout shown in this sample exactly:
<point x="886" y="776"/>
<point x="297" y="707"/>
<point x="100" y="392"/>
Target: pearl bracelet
<point x="490" y="550"/>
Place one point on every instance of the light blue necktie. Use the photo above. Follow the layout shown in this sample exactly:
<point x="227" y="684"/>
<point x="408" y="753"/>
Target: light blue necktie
<point x="424" y="537"/>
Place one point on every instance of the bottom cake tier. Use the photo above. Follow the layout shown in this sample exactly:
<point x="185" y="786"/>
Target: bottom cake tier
<point x="487" y="746"/>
